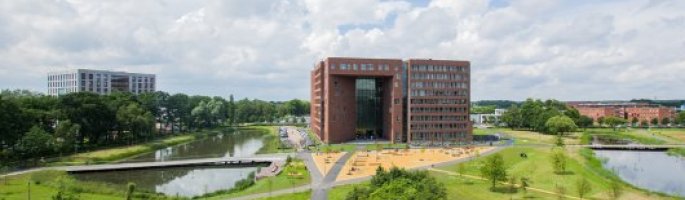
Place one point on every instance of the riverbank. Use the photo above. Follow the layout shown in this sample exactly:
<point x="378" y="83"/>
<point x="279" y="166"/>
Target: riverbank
<point x="116" y="154"/>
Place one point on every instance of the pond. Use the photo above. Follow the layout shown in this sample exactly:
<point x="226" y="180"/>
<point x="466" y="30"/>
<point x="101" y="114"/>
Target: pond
<point x="652" y="170"/>
<point x="189" y="181"/>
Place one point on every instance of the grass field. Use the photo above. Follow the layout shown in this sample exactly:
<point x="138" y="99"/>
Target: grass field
<point x="281" y="181"/>
<point x="538" y="168"/>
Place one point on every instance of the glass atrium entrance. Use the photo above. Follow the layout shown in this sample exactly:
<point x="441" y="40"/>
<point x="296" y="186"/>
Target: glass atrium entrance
<point x="369" y="99"/>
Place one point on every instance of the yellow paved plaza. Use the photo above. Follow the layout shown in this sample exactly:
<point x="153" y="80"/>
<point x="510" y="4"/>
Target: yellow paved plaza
<point x="324" y="161"/>
<point x="363" y="164"/>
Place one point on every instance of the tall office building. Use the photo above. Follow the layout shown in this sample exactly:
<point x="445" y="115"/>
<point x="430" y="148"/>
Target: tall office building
<point x="99" y="81"/>
<point x="419" y="101"/>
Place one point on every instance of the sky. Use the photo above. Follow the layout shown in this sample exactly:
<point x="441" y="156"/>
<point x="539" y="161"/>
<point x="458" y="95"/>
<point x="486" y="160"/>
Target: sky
<point x="561" y="49"/>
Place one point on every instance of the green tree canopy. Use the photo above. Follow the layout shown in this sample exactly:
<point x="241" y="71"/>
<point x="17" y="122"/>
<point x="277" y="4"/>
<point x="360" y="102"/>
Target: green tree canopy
<point x="493" y="169"/>
<point x="399" y="184"/>
<point x="614" y="122"/>
<point x="560" y="125"/>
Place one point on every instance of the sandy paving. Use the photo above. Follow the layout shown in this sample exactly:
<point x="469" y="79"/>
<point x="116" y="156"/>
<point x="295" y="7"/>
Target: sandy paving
<point x="363" y="164"/>
<point x="324" y="161"/>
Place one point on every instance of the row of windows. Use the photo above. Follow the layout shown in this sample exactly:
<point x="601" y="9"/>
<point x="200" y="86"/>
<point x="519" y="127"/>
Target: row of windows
<point x="414" y="127"/>
<point x="438" y="135"/>
<point x="438" y="110"/>
<point x="429" y="118"/>
<point x="438" y="68"/>
<point x="438" y="76"/>
<point x="62" y="84"/>
<point x="438" y="101"/>
<point x="60" y="77"/>
<point x="364" y="67"/>
<point x="439" y="93"/>
<point x="439" y="84"/>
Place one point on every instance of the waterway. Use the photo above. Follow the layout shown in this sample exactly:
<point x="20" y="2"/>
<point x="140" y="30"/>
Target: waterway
<point x="652" y="170"/>
<point x="189" y="181"/>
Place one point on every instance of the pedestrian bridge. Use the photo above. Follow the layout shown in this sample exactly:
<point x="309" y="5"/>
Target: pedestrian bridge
<point x="265" y="159"/>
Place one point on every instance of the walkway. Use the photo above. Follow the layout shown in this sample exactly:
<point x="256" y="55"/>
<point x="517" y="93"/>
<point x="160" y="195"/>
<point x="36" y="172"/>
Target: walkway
<point x="261" y="158"/>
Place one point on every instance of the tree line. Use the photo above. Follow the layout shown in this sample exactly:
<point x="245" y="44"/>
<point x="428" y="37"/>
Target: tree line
<point x="34" y="125"/>
<point x="534" y="115"/>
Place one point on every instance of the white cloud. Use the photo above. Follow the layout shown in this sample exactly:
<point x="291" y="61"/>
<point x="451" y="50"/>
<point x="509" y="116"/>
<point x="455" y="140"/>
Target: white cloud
<point x="570" y="50"/>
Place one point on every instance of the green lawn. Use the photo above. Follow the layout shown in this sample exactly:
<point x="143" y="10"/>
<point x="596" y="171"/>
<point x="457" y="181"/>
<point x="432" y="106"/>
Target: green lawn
<point x="281" y="181"/>
<point x="45" y="184"/>
<point x="335" y="193"/>
<point x="538" y="168"/>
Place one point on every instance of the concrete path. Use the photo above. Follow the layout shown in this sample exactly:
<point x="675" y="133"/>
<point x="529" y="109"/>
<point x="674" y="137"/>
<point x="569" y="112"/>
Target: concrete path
<point x="320" y="191"/>
<point x="174" y="163"/>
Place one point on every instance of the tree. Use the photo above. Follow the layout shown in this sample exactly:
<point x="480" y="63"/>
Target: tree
<point x="36" y="142"/>
<point x="231" y="110"/>
<point x="13" y="122"/>
<point x="583" y="187"/>
<point x="512" y="183"/>
<point x="560" y="125"/>
<point x="559" y="161"/>
<point x="615" y="189"/>
<point x="613" y="122"/>
<point x="494" y="170"/>
<point x="525" y="183"/>
<point x="130" y="190"/>
<point x="655" y="122"/>
<point x="665" y="121"/>
<point x="584" y="122"/>
<point x="134" y="121"/>
<point x="600" y="121"/>
<point x="461" y="169"/>
<point x="680" y="118"/>
<point x="635" y="121"/>
<point x="400" y="184"/>
<point x="66" y="135"/>
<point x="559" y="141"/>
<point x="644" y="123"/>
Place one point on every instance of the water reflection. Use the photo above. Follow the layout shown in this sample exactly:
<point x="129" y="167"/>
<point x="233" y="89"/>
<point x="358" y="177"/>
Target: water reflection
<point x="236" y="144"/>
<point x="655" y="171"/>
<point x="174" y="181"/>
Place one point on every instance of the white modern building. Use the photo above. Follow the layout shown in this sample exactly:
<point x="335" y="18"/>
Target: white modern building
<point x="99" y="81"/>
<point x="493" y="118"/>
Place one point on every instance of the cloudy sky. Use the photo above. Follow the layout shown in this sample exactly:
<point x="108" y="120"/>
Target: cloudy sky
<point x="568" y="50"/>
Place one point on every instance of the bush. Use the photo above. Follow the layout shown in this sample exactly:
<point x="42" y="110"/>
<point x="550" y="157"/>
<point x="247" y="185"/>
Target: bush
<point x="400" y="184"/>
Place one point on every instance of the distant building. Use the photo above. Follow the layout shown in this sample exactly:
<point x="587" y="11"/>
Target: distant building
<point x="626" y="110"/>
<point x="490" y="118"/>
<point x="99" y="81"/>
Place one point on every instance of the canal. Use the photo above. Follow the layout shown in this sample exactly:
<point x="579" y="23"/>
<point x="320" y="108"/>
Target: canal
<point x="189" y="181"/>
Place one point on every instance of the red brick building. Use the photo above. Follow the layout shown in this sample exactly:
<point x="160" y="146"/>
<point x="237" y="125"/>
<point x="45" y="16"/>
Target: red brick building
<point x="418" y="101"/>
<point x="629" y="111"/>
